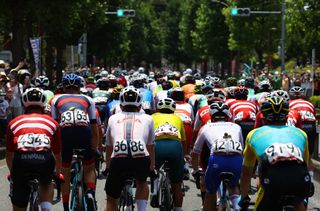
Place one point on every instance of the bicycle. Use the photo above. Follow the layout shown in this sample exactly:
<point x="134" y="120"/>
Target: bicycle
<point x="166" y="198"/>
<point x="78" y="196"/>
<point x="126" y="200"/>
<point x="224" y="203"/>
<point x="34" y="195"/>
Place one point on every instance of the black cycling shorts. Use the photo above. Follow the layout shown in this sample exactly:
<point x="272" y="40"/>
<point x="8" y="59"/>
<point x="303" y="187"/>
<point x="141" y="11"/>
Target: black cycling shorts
<point x="76" y="138"/>
<point x="27" y="166"/>
<point x="283" y="178"/>
<point x="246" y="127"/>
<point x="310" y="128"/>
<point x="123" y="168"/>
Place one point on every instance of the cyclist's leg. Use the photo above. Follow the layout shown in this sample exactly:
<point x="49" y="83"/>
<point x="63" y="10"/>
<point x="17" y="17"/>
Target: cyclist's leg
<point x="141" y="168"/>
<point x="204" y="158"/>
<point x="115" y="181"/>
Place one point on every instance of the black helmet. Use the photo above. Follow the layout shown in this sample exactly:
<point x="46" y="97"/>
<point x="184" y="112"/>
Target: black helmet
<point x="275" y="109"/>
<point x="177" y="94"/>
<point x="219" y="110"/>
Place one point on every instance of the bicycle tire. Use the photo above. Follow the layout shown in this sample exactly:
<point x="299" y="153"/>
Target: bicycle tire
<point x="165" y="197"/>
<point x="33" y="203"/>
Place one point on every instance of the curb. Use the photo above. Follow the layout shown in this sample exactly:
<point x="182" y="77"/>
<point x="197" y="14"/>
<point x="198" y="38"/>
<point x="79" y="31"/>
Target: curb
<point x="316" y="170"/>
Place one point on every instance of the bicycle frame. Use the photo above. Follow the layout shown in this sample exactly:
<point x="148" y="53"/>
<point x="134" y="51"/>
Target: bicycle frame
<point x="166" y="199"/>
<point x="34" y="194"/>
<point x="126" y="201"/>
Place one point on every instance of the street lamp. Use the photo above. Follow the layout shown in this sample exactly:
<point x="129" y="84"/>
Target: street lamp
<point x="220" y="2"/>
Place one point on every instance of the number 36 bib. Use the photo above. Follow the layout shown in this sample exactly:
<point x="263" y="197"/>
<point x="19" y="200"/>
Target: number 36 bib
<point x="137" y="148"/>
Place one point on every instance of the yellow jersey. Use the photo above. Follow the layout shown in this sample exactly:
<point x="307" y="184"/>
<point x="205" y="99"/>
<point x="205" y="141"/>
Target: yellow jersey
<point x="168" y="126"/>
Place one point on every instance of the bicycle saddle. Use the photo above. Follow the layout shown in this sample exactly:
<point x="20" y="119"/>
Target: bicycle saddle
<point x="226" y="176"/>
<point x="79" y="152"/>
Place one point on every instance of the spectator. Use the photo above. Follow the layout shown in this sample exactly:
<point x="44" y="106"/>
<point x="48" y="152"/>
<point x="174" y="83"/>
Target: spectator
<point x="4" y="111"/>
<point x="285" y="81"/>
<point x="16" y="90"/>
<point x="307" y="83"/>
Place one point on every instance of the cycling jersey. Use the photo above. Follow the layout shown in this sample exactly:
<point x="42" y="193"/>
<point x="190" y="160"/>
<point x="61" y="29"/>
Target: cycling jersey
<point x="212" y="132"/>
<point x="100" y="96"/>
<point x="49" y="95"/>
<point x="147" y="99"/>
<point x="73" y="110"/>
<point x="294" y="119"/>
<point x="229" y="101"/>
<point x="111" y="107"/>
<point x="259" y="120"/>
<point x="168" y="126"/>
<point x="129" y="133"/>
<point x="259" y="98"/>
<point x="33" y="132"/>
<point x="305" y="108"/>
<point x="188" y="90"/>
<point x="202" y="117"/>
<point x="243" y="110"/>
<point x="276" y="143"/>
<point x="185" y="112"/>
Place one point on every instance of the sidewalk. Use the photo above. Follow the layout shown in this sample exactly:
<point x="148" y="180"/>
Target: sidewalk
<point x="317" y="170"/>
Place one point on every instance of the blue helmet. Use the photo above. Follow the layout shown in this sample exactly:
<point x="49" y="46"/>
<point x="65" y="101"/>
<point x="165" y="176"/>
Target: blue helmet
<point x="71" y="80"/>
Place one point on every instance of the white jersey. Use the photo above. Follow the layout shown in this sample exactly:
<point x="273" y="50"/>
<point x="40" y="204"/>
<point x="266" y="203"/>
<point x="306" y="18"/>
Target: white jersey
<point x="129" y="133"/>
<point x="185" y="112"/>
<point x="212" y="134"/>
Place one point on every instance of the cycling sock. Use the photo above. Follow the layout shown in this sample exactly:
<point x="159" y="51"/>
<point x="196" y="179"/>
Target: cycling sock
<point x="155" y="186"/>
<point x="203" y="195"/>
<point x="142" y="204"/>
<point x="177" y="209"/>
<point x="90" y="192"/>
<point x="235" y="199"/>
<point x="46" y="206"/>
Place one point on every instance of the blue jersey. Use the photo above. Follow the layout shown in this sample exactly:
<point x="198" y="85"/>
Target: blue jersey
<point x="276" y="143"/>
<point x="111" y="107"/>
<point x="147" y="99"/>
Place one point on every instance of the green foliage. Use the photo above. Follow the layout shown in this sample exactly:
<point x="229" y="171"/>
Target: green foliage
<point x="315" y="100"/>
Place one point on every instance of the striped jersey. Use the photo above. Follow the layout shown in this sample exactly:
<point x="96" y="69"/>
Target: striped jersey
<point x="305" y="108"/>
<point x="243" y="110"/>
<point x="33" y="132"/>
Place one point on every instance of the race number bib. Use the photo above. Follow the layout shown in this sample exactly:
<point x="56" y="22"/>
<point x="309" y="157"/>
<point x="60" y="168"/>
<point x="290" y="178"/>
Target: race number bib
<point x="121" y="148"/>
<point x="185" y="118"/>
<point x="74" y="117"/>
<point x="238" y="116"/>
<point x="227" y="146"/>
<point x="166" y="129"/>
<point x="32" y="141"/>
<point x="277" y="152"/>
<point x="307" y="116"/>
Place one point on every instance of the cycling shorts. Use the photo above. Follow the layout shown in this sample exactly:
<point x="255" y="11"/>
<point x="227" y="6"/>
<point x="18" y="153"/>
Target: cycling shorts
<point x="246" y="127"/>
<point x="27" y="166"/>
<point x="188" y="130"/>
<point x="310" y="128"/>
<point x="282" y="178"/>
<point x="76" y="138"/>
<point x="222" y="163"/>
<point x="171" y="151"/>
<point x="123" y="168"/>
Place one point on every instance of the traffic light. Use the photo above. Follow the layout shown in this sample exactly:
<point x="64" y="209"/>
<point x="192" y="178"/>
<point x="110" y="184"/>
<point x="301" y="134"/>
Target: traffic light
<point x="126" y="13"/>
<point x="240" y="11"/>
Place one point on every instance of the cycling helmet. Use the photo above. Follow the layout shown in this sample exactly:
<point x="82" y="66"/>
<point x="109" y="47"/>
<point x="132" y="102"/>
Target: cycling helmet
<point x="130" y="96"/>
<point x="296" y="92"/>
<point x="219" y="110"/>
<point x="282" y="94"/>
<point x="84" y="91"/>
<point x="170" y="75"/>
<point x="189" y="79"/>
<point x="177" y="94"/>
<point x="141" y="70"/>
<point x="83" y="81"/>
<point x="197" y="89"/>
<point x="117" y="90"/>
<point x="104" y="73"/>
<point x="241" y="82"/>
<point x="187" y="71"/>
<point x="240" y="93"/>
<point x="207" y="86"/>
<point x="231" y="81"/>
<point x="71" y="80"/>
<point x="275" y="109"/>
<point x="166" y="85"/>
<point x="249" y="82"/>
<point x="103" y="83"/>
<point x="197" y="76"/>
<point x="137" y="81"/>
<point x="112" y="80"/>
<point x="215" y="95"/>
<point x="42" y="82"/>
<point x="33" y="97"/>
<point x="90" y="79"/>
<point x="216" y="82"/>
<point x="167" y="103"/>
<point x="265" y="86"/>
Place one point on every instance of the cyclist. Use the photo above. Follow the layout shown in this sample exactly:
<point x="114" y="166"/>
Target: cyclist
<point x="76" y="115"/>
<point x="169" y="146"/>
<point x="42" y="82"/>
<point x="113" y="104"/>
<point x="130" y="138"/>
<point x="33" y="150"/>
<point x="225" y="141"/>
<point x="243" y="111"/>
<point x="90" y="85"/>
<point x="283" y="155"/>
<point x="188" y="86"/>
<point x="306" y="118"/>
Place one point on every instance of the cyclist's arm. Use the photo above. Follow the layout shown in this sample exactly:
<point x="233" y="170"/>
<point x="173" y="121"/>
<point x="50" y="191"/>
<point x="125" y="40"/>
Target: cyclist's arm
<point x="150" y="145"/>
<point x="9" y="149"/>
<point x="183" y="137"/>
<point x="109" y="147"/>
<point x="197" y="150"/>
<point x="56" y="149"/>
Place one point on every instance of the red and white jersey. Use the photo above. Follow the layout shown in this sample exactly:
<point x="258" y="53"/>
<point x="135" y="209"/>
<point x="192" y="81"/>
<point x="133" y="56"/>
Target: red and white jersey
<point x="294" y="119"/>
<point x="129" y="133"/>
<point x="202" y="117"/>
<point x="306" y="109"/>
<point x="185" y="112"/>
<point x="243" y="110"/>
<point x="33" y="132"/>
<point x="229" y="101"/>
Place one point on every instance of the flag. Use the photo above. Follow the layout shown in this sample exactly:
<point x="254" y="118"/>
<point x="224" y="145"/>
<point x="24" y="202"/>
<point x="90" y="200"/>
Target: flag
<point x="36" y="49"/>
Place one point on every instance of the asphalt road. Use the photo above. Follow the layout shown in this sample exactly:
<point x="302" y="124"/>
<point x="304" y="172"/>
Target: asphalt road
<point x="192" y="200"/>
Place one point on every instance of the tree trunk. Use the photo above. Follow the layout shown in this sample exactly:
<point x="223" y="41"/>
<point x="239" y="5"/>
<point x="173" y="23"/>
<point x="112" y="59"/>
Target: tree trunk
<point x="59" y="66"/>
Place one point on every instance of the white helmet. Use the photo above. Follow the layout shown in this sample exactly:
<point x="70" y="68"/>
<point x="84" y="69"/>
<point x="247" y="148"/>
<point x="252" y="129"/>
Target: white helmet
<point x="167" y="103"/>
<point x="42" y="82"/>
<point x="104" y="73"/>
<point x="282" y="94"/>
<point x="33" y="97"/>
<point x="130" y="96"/>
